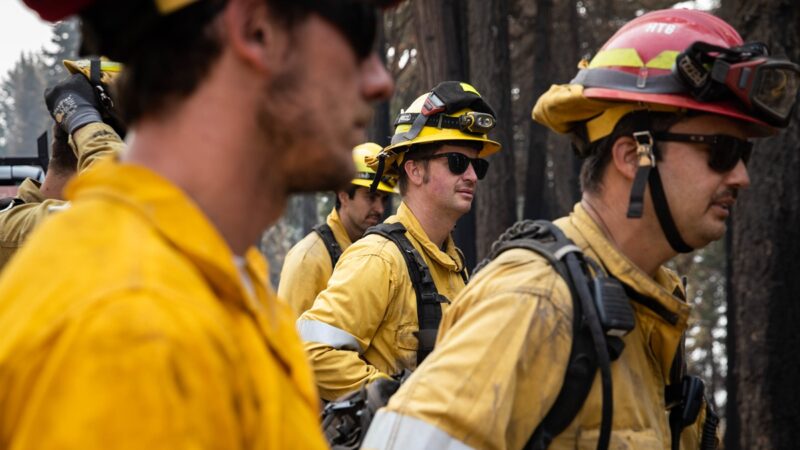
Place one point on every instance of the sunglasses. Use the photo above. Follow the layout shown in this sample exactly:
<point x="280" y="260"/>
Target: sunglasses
<point x="458" y="163"/>
<point x="724" y="151"/>
<point x="357" y="20"/>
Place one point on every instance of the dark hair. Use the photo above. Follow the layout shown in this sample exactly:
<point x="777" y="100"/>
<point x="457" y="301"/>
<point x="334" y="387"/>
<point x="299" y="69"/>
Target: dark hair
<point x="350" y="191"/>
<point x="165" y="57"/>
<point x="597" y="155"/>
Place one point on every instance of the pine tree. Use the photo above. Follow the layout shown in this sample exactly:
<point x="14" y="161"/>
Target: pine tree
<point x="64" y="45"/>
<point x="23" y="111"/>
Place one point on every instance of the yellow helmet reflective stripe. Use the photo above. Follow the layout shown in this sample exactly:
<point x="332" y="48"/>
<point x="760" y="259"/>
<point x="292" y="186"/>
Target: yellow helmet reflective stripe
<point x="629" y="57"/>
<point x="364" y="174"/>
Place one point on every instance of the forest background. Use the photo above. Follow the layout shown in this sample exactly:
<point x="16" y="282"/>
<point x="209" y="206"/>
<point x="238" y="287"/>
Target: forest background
<point x="742" y="338"/>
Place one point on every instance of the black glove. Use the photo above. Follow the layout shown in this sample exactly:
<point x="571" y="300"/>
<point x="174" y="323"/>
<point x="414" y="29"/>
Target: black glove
<point x="345" y="421"/>
<point x="73" y="103"/>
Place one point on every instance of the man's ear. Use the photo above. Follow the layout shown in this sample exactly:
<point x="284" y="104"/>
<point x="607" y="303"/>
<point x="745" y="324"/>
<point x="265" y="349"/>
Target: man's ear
<point x="251" y="33"/>
<point x="414" y="172"/>
<point x="343" y="197"/>
<point x="624" y="157"/>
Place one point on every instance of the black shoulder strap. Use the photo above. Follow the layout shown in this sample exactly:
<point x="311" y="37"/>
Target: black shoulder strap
<point x="429" y="310"/>
<point x="589" y="350"/>
<point x="10" y="202"/>
<point x="334" y="250"/>
<point x="463" y="272"/>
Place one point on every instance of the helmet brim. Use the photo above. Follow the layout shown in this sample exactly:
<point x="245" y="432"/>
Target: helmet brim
<point x="383" y="187"/>
<point x="754" y="128"/>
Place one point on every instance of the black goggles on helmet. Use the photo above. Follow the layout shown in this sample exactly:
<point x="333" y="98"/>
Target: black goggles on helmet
<point x="458" y="163"/>
<point x="447" y="98"/>
<point x="724" y="151"/>
<point x="767" y="86"/>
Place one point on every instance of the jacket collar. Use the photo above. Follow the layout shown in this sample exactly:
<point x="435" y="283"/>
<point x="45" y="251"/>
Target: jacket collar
<point x="30" y="191"/>
<point x="172" y="214"/>
<point x="339" y="233"/>
<point x="448" y="258"/>
<point x="582" y="229"/>
<point x="663" y="336"/>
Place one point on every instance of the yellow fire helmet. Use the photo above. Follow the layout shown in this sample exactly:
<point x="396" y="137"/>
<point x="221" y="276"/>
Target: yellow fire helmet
<point x="106" y="71"/>
<point x="101" y="74"/>
<point x="364" y="174"/>
<point x="452" y="111"/>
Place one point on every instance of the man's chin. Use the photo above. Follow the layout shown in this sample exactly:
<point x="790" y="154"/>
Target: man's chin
<point x="327" y="181"/>
<point x="370" y="223"/>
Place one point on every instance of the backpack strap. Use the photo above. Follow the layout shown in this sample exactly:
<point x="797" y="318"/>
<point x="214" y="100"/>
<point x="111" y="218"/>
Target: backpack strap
<point x="10" y="202"/>
<point x="429" y="309"/>
<point x="463" y="272"/>
<point x="592" y="348"/>
<point x="326" y="234"/>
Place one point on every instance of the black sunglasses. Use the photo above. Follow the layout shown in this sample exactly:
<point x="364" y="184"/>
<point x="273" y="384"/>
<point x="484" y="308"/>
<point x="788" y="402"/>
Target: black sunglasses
<point x="458" y="163"/>
<point x="724" y="151"/>
<point x="356" y="19"/>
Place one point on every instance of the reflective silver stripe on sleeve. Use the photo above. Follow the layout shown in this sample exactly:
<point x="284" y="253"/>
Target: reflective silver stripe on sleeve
<point x="392" y="431"/>
<point x="314" y="331"/>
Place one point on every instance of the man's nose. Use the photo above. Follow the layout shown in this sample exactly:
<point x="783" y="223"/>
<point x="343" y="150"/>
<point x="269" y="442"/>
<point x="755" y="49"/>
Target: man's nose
<point x="377" y="84"/>
<point x="738" y="176"/>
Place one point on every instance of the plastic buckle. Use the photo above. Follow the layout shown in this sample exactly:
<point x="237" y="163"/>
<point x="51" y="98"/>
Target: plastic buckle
<point x="644" y="148"/>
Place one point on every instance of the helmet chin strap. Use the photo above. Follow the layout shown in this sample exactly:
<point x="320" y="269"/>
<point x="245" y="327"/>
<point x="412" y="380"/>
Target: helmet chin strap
<point x="647" y="173"/>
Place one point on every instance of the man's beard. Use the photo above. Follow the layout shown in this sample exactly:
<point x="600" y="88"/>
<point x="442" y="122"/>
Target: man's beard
<point x="287" y="133"/>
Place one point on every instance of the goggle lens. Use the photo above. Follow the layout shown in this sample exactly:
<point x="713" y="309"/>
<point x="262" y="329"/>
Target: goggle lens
<point x="777" y="90"/>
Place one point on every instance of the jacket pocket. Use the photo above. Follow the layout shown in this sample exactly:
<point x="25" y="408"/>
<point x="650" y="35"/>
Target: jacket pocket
<point x="406" y="337"/>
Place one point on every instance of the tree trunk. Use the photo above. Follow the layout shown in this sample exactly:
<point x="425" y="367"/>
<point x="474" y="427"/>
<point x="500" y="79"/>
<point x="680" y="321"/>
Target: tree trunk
<point x="732" y="420"/>
<point x="441" y="38"/>
<point x="380" y="130"/>
<point x="490" y="73"/>
<point x="442" y="56"/>
<point x="766" y="243"/>
<point x="536" y="179"/>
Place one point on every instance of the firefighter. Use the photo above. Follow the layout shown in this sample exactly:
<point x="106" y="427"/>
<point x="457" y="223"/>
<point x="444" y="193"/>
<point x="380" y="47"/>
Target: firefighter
<point x="93" y="140"/>
<point x="155" y="326"/>
<point x="309" y="264"/>
<point x="662" y="116"/>
<point x="378" y="316"/>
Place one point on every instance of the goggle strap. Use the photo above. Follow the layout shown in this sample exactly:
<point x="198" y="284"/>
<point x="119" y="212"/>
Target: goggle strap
<point x="438" y="120"/>
<point x="378" y="173"/>
<point x="646" y="160"/>
<point x="94" y="71"/>
<point x="664" y="215"/>
<point x="413" y="132"/>
<point x="636" y="202"/>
